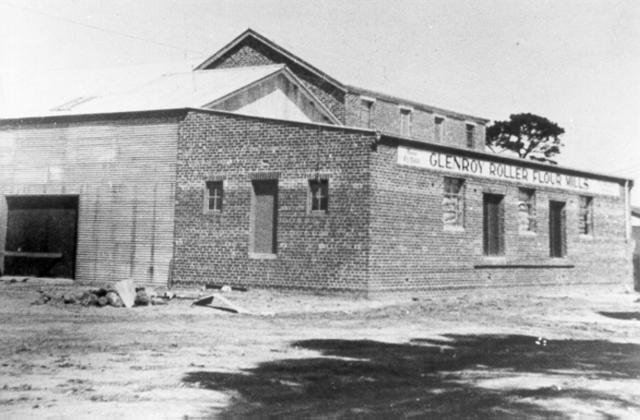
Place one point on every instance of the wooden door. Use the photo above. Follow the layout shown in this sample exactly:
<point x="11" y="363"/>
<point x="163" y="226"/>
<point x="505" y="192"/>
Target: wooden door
<point x="265" y="217"/>
<point x="493" y="220"/>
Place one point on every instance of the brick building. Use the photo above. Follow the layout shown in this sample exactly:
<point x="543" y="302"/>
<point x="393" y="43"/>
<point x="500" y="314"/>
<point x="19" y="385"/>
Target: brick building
<point x="259" y="169"/>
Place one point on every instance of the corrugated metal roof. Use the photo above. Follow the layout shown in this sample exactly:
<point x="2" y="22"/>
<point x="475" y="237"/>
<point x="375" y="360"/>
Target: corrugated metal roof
<point x="178" y="90"/>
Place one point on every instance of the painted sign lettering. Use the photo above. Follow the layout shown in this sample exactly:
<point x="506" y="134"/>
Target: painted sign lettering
<point x="483" y="168"/>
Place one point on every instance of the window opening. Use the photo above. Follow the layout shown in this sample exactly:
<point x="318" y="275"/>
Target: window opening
<point x="213" y="196"/>
<point x="438" y="134"/>
<point x="405" y="122"/>
<point x="471" y="141"/>
<point x="526" y="210"/>
<point x="453" y="202"/>
<point x="319" y="195"/>
<point x="585" y="216"/>
<point x="366" y="113"/>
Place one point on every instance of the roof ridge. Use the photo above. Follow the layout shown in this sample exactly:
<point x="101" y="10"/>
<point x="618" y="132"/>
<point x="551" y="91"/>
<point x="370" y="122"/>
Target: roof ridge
<point x="274" y="46"/>
<point x="231" y="69"/>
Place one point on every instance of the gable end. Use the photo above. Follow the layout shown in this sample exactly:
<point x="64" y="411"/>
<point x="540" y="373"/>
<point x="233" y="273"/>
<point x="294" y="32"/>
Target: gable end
<point x="250" y="49"/>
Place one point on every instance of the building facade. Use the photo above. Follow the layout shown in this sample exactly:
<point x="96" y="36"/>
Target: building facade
<point x="281" y="176"/>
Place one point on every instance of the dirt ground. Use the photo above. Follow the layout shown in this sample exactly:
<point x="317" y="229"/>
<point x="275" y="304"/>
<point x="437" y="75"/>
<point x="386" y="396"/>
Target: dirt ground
<point x="564" y="353"/>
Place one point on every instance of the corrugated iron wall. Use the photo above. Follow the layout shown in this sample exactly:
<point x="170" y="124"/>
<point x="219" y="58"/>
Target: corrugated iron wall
<point x="124" y="174"/>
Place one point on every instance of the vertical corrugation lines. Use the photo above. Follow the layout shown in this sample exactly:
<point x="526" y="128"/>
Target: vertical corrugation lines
<point x="123" y="172"/>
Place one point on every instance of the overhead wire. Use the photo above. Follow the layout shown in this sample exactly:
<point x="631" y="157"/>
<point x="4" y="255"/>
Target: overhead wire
<point x="102" y="29"/>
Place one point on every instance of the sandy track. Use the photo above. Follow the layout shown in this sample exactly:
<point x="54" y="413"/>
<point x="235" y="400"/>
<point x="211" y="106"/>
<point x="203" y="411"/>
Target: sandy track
<point x="410" y="355"/>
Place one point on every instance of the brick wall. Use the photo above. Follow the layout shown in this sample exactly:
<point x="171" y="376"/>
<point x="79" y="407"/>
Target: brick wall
<point x="411" y="248"/>
<point x="254" y="53"/>
<point x="386" y="118"/>
<point x="314" y="251"/>
<point x="122" y="169"/>
<point x="346" y="106"/>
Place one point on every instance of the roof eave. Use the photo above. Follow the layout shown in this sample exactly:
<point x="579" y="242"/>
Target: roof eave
<point x="92" y="115"/>
<point x="178" y="112"/>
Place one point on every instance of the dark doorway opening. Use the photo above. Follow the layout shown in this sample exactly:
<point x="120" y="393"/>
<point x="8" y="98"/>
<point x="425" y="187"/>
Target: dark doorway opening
<point x="41" y="235"/>
<point x="557" y="230"/>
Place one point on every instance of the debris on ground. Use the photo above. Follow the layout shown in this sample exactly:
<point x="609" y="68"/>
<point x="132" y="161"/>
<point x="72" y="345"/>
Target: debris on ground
<point x="114" y="300"/>
<point x="188" y="295"/>
<point x="159" y="301"/>
<point x="69" y="298"/>
<point x="203" y="301"/>
<point x="225" y="287"/>
<point x="208" y="300"/>
<point x="142" y="298"/>
<point x="116" y="296"/>
<point x="124" y="289"/>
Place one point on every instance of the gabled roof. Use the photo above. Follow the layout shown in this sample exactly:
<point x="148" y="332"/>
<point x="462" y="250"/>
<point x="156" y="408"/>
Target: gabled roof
<point x="177" y="90"/>
<point x="251" y="34"/>
<point x="194" y="89"/>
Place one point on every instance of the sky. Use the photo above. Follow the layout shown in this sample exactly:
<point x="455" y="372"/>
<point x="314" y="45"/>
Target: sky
<point x="574" y="62"/>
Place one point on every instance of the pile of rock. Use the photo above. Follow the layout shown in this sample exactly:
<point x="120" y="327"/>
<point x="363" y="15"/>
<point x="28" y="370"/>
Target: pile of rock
<point x="94" y="297"/>
<point x="104" y="296"/>
<point x="146" y="296"/>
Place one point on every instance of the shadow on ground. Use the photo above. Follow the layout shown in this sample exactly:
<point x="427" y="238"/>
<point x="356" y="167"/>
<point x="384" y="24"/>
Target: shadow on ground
<point x="422" y="378"/>
<point x="622" y="315"/>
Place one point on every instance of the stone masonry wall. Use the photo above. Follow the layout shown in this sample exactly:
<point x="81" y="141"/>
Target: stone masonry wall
<point x="411" y="248"/>
<point x="315" y="251"/>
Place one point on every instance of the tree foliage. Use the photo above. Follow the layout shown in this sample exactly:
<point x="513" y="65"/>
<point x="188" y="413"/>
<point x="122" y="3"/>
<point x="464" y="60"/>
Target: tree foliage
<point x="528" y="135"/>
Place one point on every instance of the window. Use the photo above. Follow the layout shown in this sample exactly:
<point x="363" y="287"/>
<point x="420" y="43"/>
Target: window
<point x="526" y="210"/>
<point x="319" y="195"/>
<point x="585" y="215"/>
<point x="557" y="230"/>
<point x="264" y="217"/>
<point x="438" y="134"/>
<point x="453" y="202"/>
<point x="493" y="224"/>
<point x="366" y="112"/>
<point x="405" y="122"/>
<point x="471" y="141"/>
<point x="213" y="196"/>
